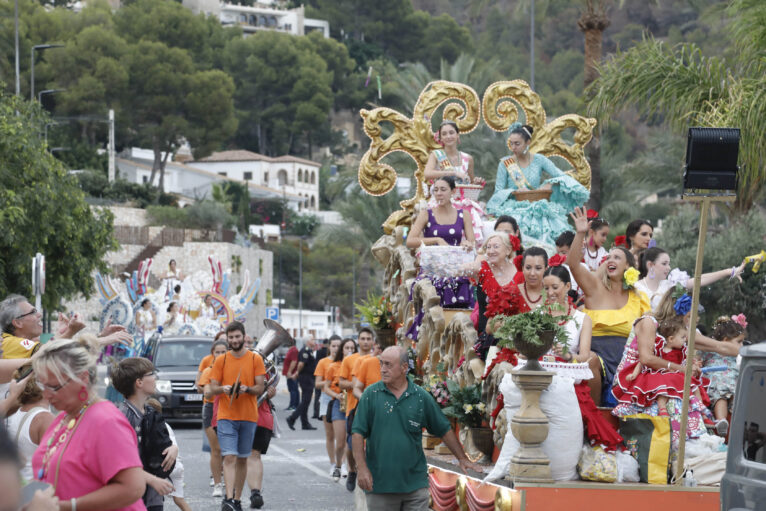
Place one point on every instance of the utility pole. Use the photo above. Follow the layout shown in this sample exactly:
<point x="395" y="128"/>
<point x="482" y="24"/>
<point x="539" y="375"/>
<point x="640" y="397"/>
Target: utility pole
<point x="111" y="169"/>
<point x="16" y="23"/>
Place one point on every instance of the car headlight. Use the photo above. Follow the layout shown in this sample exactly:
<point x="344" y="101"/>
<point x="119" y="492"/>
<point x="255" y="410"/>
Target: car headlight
<point x="164" y="387"/>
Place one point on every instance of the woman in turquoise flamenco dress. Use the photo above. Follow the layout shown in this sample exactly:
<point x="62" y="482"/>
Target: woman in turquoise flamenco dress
<point x="542" y="220"/>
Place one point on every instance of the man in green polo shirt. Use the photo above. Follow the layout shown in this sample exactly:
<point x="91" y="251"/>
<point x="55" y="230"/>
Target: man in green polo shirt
<point x="391" y="415"/>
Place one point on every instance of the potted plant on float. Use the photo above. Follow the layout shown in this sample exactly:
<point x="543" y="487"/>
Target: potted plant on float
<point x="532" y="334"/>
<point x="465" y="406"/>
<point x="376" y="311"/>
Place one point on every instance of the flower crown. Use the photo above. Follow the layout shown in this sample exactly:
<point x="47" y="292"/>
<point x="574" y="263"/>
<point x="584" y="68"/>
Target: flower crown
<point x="629" y="278"/>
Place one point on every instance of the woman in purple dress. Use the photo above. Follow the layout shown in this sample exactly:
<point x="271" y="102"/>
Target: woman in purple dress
<point x="443" y="225"/>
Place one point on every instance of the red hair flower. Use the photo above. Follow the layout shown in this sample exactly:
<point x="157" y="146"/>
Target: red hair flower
<point x="620" y="241"/>
<point x="517" y="262"/>
<point x="592" y="213"/>
<point x="557" y="260"/>
<point x="515" y="243"/>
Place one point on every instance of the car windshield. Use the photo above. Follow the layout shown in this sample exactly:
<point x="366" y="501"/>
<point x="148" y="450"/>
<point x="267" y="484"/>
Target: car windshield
<point x="181" y="353"/>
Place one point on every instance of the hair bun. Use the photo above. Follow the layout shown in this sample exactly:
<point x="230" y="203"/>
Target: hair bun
<point x="721" y="320"/>
<point x="90" y="343"/>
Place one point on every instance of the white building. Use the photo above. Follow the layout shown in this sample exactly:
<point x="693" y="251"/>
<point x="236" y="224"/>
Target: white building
<point x="271" y="233"/>
<point x="288" y="174"/>
<point x="320" y="324"/>
<point x="264" y="15"/>
<point x="194" y="182"/>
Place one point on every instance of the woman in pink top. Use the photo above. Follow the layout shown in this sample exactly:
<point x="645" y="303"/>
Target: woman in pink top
<point x="89" y="453"/>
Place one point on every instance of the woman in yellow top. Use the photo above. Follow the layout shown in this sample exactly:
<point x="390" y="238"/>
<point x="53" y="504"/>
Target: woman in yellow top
<point x="612" y="304"/>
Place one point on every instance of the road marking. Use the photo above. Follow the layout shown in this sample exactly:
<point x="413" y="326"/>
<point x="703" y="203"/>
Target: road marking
<point x="300" y="461"/>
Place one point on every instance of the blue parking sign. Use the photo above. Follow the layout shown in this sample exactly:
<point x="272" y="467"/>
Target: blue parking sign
<point x="272" y="313"/>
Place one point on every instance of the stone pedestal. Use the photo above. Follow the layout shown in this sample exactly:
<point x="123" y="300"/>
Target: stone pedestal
<point x="530" y="427"/>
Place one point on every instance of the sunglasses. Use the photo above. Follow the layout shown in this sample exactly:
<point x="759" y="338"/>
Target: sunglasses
<point x="33" y="311"/>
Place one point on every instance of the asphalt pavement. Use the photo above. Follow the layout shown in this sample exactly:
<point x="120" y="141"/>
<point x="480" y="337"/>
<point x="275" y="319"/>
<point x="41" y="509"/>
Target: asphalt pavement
<point x="296" y="469"/>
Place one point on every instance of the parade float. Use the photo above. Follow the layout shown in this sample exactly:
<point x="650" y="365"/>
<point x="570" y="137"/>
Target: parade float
<point x="519" y="404"/>
<point x="202" y="303"/>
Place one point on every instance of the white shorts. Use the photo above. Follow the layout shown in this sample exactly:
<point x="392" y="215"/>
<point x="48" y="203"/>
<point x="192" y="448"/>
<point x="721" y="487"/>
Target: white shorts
<point x="177" y="478"/>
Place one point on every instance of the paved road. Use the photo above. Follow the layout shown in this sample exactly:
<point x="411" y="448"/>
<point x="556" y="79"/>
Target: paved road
<point x="296" y="470"/>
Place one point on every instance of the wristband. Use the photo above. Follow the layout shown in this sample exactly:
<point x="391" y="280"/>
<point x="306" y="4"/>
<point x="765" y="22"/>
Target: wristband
<point x="73" y="504"/>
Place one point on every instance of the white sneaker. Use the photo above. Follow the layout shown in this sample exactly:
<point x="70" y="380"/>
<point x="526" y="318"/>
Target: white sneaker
<point x="218" y="490"/>
<point x="722" y="427"/>
<point x="344" y="470"/>
<point x="332" y="468"/>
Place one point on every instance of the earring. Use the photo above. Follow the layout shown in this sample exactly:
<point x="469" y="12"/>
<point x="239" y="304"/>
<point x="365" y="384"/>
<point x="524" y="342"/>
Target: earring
<point x="83" y="394"/>
<point x="651" y="273"/>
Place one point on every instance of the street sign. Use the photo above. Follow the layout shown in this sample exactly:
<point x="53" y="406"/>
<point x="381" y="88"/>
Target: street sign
<point x="272" y="313"/>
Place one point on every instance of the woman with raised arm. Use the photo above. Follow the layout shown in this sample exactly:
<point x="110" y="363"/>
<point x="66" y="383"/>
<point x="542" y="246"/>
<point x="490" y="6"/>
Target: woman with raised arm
<point x="544" y="219"/>
<point x="612" y="304"/>
<point x="656" y="277"/>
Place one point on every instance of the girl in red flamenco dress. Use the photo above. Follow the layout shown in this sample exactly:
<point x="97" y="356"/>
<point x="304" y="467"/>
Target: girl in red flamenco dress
<point x="642" y="386"/>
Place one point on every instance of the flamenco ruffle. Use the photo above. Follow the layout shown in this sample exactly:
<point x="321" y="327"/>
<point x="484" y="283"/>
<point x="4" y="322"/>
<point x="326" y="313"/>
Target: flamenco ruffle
<point x="599" y="430"/>
<point x="502" y="299"/>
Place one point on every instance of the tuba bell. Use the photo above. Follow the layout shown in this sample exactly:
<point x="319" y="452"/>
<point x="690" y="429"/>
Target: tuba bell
<point x="274" y="337"/>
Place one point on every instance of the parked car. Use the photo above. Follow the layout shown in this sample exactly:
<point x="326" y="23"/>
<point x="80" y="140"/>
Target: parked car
<point x="177" y="359"/>
<point x="743" y="486"/>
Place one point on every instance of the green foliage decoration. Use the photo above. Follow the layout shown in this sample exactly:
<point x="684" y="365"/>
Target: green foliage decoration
<point x="528" y="326"/>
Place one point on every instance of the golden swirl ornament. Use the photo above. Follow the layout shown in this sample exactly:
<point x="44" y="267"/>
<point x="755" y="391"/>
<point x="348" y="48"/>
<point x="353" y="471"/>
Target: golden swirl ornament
<point x="502" y="104"/>
<point x="413" y="136"/>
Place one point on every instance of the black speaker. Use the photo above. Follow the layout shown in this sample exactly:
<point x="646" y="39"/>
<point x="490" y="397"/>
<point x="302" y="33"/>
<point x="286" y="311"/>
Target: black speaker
<point x="711" y="158"/>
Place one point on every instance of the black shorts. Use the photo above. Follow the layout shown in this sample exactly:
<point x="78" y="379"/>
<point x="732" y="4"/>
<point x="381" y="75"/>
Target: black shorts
<point x="262" y="439"/>
<point x="207" y="415"/>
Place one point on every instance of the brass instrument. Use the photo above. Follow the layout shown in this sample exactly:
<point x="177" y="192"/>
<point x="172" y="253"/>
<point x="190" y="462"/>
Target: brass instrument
<point x="274" y="337"/>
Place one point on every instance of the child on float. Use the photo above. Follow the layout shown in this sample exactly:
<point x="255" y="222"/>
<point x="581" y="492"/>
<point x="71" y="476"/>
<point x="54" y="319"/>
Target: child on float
<point x="643" y="386"/>
<point x="724" y="382"/>
<point x="593" y="252"/>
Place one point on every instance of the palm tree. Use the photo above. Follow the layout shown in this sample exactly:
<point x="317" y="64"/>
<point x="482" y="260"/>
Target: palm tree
<point x="689" y="89"/>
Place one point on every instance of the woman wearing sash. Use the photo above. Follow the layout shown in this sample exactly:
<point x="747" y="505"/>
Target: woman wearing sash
<point x="450" y="161"/>
<point x="542" y="220"/>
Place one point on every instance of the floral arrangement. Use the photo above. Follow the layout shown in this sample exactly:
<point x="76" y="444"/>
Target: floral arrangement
<point x="376" y="311"/>
<point x="629" y="278"/>
<point x="438" y="389"/>
<point x="529" y="325"/>
<point x="465" y="404"/>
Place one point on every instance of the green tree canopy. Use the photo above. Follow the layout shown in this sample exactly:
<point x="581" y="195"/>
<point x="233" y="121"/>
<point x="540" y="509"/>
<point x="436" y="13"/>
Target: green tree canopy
<point x="43" y="210"/>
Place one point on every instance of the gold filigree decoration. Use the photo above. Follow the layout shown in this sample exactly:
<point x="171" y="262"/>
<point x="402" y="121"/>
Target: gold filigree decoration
<point x="414" y="137"/>
<point x="504" y="101"/>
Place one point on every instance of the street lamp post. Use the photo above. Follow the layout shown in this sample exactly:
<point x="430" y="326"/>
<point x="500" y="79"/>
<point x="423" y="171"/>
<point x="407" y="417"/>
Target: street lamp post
<point x="47" y="91"/>
<point x="300" y="288"/>
<point x="32" y="65"/>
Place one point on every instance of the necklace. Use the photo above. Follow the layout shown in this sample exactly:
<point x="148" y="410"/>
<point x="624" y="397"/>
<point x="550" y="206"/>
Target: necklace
<point x="594" y="256"/>
<point x="529" y="300"/>
<point x="62" y="440"/>
<point x="452" y="163"/>
<point x="568" y="313"/>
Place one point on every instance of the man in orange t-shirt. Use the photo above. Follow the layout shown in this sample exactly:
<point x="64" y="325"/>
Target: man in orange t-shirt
<point x="239" y="375"/>
<point x="367" y="371"/>
<point x="346" y="383"/>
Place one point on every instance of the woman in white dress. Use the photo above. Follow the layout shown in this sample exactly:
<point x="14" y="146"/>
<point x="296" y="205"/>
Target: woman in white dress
<point x="557" y="285"/>
<point x="30" y="422"/>
<point x="657" y="277"/>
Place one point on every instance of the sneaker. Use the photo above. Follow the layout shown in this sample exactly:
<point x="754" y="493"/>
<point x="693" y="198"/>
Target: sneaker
<point x="212" y="482"/>
<point x="218" y="490"/>
<point x="343" y="470"/>
<point x="351" y="481"/>
<point x="332" y="468"/>
<point x="229" y="505"/>
<point x="722" y="427"/>
<point x="336" y="474"/>
<point x="291" y="422"/>
<point x="256" y="499"/>
<point x="237" y="505"/>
